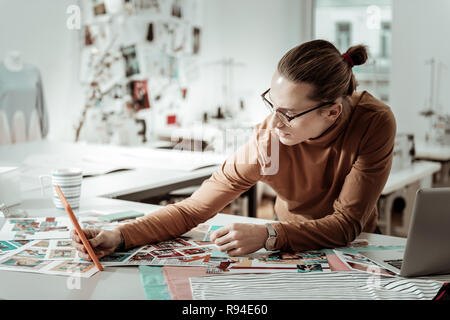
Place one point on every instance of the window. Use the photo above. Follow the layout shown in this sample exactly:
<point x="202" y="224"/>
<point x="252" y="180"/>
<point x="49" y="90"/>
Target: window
<point x="350" y="22"/>
<point x="343" y="35"/>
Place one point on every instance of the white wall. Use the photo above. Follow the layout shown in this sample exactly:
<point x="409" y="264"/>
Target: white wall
<point x="419" y="31"/>
<point x="254" y="32"/>
<point x="38" y="30"/>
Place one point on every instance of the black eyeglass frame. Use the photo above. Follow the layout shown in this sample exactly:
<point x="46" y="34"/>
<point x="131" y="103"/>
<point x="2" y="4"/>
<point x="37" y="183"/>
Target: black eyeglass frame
<point x="286" y="117"/>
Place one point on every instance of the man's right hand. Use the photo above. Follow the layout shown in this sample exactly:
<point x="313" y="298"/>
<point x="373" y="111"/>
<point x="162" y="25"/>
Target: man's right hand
<point x="103" y="242"/>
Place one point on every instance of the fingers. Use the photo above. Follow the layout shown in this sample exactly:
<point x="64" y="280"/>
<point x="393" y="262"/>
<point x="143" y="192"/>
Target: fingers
<point x="230" y="236"/>
<point x="89" y="233"/>
<point x="80" y="247"/>
<point x="95" y="242"/>
<point x="99" y="253"/>
<point x="229" y="246"/>
<point x="219" y="233"/>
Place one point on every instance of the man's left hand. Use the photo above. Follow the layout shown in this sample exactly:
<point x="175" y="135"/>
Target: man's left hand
<point x="240" y="238"/>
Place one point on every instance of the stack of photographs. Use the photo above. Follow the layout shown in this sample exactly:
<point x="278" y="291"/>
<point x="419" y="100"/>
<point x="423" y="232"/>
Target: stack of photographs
<point x="358" y="262"/>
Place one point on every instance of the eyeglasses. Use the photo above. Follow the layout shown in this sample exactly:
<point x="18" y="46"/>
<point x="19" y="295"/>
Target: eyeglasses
<point x="284" y="117"/>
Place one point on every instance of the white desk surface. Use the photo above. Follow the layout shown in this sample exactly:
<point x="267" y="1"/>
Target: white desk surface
<point x="109" y="185"/>
<point x="432" y="151"/>
<point x="115" y="282"/>
<point x="401" y="178"/>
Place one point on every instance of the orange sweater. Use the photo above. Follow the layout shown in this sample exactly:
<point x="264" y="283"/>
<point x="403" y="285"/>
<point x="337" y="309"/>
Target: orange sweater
<point x="327" y="188"/>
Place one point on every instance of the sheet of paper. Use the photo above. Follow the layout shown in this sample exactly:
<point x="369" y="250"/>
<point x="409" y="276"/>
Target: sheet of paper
<point x="176" y="252"/>
<point x="52" y="227"/>
<point x="298" y="262"/>
<point x="10" y="246"/>
<point x="348" y="285"/>
<point x="33" y="257"/>
<point x="358" y="262"/>
<point x="35" y="228"/>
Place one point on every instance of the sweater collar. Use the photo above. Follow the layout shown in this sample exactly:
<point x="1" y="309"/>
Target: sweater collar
<point x="333" y="132"/>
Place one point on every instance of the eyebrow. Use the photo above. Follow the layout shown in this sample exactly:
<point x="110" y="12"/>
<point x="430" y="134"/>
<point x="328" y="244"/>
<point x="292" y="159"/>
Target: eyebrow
<point x="283" y="108"/>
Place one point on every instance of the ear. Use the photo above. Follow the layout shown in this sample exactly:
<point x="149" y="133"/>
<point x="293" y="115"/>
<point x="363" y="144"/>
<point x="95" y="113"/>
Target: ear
<point x="333" y="111"/>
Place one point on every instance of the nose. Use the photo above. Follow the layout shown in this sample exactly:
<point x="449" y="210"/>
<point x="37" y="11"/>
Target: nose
<point x="277" y="122"/>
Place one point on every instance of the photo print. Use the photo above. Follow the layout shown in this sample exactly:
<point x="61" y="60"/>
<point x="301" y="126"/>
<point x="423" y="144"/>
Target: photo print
<point x="37" y="253"/>
<point x="147" y="5"/>
<point x="73" y="267"/>
<point x="302" y="268"/>
<point x="176" y="10"/>
<point x="6" y="246"/>
<point x="139" y="94"/>
<point x="23" y="263"/>
<point x="150" y="32"/>
<point x="143" y="258"/>
<point x="61" y="254"/>
<point x="42" y="244"/>
<point x="131" y="60"/>
<point x="166" y="253"/>
<point x="99" y="9"/>
<point x="89" y="38"/>
<point x="175" y="243"/>
<point x="35" y="228"/>
<point x="195" y="40"/>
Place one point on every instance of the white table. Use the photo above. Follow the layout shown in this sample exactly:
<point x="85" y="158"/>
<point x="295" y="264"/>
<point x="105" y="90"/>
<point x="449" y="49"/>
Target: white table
<point x="142" y="182"/>
<point x="440" y="154"/>
<point x="403" y="184"/>
<point x="114" y="282"/>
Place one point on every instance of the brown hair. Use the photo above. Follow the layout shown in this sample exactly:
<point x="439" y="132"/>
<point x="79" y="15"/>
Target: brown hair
<point x="320" y="63"/>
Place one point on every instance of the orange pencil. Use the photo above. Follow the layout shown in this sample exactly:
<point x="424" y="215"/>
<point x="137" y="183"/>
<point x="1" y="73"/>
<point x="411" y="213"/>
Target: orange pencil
<point x="80" y="233"/>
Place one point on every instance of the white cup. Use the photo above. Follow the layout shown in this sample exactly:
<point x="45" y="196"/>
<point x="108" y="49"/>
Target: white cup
<point x="69" y="180"/>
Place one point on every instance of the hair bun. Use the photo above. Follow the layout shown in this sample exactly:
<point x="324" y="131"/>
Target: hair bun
<point x="358" y="54"/>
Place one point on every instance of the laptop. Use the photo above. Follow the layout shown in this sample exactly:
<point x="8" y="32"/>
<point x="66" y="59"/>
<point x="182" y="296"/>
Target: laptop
<point x="427" y="249"/>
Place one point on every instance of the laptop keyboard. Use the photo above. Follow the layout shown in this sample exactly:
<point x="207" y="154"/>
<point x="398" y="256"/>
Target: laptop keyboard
<point x="395" y="263"/>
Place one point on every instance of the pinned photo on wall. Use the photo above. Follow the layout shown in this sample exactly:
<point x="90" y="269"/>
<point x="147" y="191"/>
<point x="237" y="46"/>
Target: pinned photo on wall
<point x="99" y="9"/>
<point x="131" y="60"/>
<point x="150" y="33"/>
<point x="89" y="38"/>
<point x="176" y="9"/>
<point x="147" y="5"/>
<point x="195" y="40"/>
<point x="139" y="93"/>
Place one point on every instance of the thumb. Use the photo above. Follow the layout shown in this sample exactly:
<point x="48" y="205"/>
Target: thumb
<point x="95" y="242"/>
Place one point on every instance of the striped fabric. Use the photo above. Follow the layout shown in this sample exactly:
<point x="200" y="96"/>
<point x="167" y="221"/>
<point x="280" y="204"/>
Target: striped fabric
<point x="312" y="286"/>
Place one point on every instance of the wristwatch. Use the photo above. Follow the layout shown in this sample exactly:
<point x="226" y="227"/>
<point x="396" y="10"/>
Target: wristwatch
<point x="121" y="245"/>
<point x="272" y="239"/>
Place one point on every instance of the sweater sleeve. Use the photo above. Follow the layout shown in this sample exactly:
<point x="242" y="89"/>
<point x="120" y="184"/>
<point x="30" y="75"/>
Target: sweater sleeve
<point x="357" y="199"/>
<point x="237" y="174"/>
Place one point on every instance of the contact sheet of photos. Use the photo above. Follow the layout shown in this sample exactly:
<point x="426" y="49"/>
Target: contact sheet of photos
<point x="55" y="257"/>
<point x="194" y="248"/>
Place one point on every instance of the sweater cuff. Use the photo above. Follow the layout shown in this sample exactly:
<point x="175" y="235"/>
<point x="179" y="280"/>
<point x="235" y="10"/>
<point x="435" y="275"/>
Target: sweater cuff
<point x="281" y="236"/>
<point x="127" y="236"/>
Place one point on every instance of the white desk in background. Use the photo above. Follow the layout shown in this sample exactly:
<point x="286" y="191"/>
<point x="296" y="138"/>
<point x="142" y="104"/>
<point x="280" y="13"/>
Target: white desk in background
<point x="402" y="186"/>
<point x="440" y="154"/>
<point x="155" y="173"/>
<point x="119" y="283"/>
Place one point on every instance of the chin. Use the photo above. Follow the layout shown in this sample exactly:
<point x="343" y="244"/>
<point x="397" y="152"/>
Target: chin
<point x="289" y="141"/>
